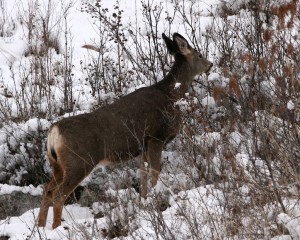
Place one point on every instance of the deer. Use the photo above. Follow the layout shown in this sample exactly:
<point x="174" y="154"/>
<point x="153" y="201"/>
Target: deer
<point x="138" y="124"/>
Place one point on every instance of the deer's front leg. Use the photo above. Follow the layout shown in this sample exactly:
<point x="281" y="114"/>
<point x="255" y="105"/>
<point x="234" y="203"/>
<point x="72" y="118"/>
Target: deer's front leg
<point x="151" y="164"/>
<point x="143" y="175"/>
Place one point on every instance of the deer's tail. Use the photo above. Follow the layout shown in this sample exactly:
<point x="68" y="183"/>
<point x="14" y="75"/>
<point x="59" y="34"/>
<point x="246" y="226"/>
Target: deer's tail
<point x="54" y="143"/>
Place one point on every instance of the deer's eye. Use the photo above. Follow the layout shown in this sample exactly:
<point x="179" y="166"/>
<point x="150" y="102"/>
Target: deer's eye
<point x="200" y="55"/>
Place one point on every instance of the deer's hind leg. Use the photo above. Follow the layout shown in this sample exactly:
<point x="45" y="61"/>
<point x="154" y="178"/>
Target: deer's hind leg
<point x="75" y="171"/>
<point x="51" y="187"/>
<point x="150" y="164"/>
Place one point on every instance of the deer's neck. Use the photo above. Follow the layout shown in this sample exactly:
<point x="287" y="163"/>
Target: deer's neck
<point x="178" y="81"/>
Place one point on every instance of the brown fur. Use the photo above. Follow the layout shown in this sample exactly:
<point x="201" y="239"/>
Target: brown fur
<point x="140" y="123"/>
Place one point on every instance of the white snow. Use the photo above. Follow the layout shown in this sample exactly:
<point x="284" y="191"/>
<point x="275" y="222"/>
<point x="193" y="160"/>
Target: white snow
<point x="24" y="226"/>
<point x="290" y="105"/>
<point x="177" y="85"/>
<point x="208" y="101"/>
<point x="189" y="202"/>
<point x="7" y="189"/>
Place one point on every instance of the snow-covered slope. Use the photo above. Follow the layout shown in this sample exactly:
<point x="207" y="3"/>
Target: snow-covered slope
<point x="197" y="197"/>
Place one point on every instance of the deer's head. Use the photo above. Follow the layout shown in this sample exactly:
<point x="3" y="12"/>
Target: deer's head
<point x="184" y="53"/>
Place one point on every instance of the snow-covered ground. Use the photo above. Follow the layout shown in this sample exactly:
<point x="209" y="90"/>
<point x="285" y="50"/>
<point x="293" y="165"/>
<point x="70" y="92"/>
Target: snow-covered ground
<point x="192" y="211"/>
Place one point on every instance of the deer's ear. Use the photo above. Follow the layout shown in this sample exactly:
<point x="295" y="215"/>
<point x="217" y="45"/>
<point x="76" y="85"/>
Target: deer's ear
<point x="171" y="46"/>
<point x="182" y="44"/>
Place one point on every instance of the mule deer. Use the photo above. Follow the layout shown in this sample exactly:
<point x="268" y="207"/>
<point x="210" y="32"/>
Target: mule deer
<point x="140" y="123"/>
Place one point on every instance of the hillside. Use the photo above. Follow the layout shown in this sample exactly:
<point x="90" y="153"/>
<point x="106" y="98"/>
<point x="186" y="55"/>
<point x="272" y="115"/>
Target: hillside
<point x="231" y="173"/>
